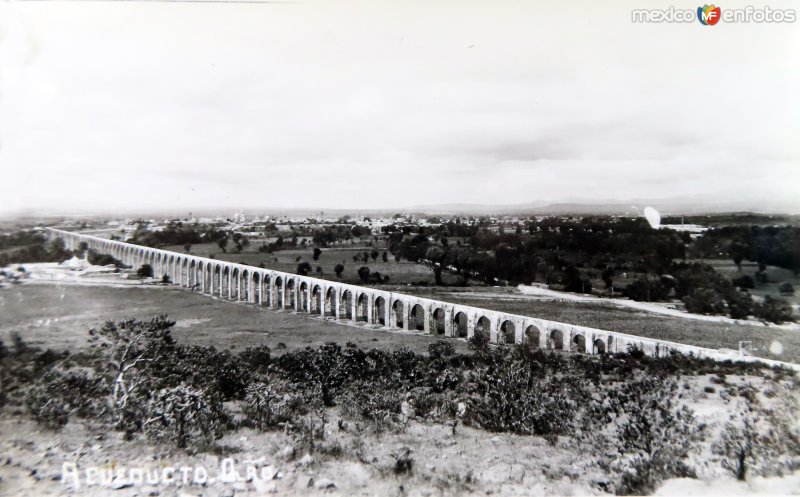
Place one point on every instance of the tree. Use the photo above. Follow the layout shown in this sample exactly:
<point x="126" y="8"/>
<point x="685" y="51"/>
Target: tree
<point x="607" y="276"/>
<point x="363" y="274"/>
<point x="786" y="289"/>
<point x="385" y="256"/>
<point x="187" y="247"/>
<point x="339" y="269"/>
<point x="319" y="270"/>
<point x="740" y="304"/>
<point x="374" y="254"/>
<point x="775" y="310"/>
<point x="223" y="244"/>
<point x="705" y="301"/>
<point x="436" y="255"/>
<point x="738" y="251"/>
<point x="317" y="253"/>
<point x="128" y="349"/>
<point x="744" y="281"/>
<point x="645" y="290"/>
<point x="303" y="268"/>
<point x="146" y="271"/>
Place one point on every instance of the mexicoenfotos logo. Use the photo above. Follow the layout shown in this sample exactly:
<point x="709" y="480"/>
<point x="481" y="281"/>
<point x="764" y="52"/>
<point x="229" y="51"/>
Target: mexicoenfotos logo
<point x="708" y="15"/>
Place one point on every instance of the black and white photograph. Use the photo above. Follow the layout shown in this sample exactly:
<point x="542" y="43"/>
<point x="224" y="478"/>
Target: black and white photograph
<point x="399" y="248"/>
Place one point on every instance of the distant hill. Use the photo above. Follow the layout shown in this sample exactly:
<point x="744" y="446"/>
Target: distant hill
<point x="672" y="206"/>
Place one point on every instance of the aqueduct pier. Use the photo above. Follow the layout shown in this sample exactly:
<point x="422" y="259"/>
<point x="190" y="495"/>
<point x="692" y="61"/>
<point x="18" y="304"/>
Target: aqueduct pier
<point x="382" y="309"/>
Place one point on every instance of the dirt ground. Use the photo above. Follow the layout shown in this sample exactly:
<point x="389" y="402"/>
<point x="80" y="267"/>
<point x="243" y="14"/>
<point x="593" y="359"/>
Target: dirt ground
<point x="354" y="460"/>
<point x="471" y="462"/>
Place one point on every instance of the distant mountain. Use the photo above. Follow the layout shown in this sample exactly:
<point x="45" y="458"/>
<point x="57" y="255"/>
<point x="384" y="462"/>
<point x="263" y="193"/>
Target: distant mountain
<point x="693" y="205"/>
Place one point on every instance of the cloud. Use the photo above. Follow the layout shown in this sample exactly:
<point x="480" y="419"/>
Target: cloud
<point x="351" y="104"/>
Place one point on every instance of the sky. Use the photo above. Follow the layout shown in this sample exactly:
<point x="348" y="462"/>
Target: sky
<point x="114" y="105"/>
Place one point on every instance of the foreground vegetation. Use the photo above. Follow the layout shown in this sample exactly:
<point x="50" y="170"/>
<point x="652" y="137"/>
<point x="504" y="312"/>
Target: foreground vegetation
<point x="629" y="408"/>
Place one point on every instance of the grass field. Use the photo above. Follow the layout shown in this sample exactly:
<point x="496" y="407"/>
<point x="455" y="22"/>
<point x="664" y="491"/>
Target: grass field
<point x="59" y="316"/>
<point x="402" y="272"/>
<point x="775" y="275"/>
<point x="701" y="333"/>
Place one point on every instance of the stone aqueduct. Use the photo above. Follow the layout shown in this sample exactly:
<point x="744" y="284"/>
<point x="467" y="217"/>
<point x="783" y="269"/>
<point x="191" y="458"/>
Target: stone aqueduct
<point x="372" y="306"/>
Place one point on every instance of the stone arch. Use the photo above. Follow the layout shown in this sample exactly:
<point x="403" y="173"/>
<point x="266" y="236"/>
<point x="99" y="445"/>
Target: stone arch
<point x="244" y="285"/>
<point x="316" y="299"/>
<point x="379" y="311"/>
<point x="186" y="272"/>
<point x="266" y="289"/>
<point x="508" y="333"/>
<point x="416" y="318"/>
<point x="483" y="325"/>
<point x="175" y="268"/>
<point x="438" y="321"/>
<point x="362" y="308"/>
<point x="461" y="325"/>
<point x="346" y="305"/>
<point x="303" y="297"/>
<point x="236" y="280"/>
<point x="610" y="343"/>
<point x="556" y="340"/>
<point x="192" y="283"/>
<point x="532" y="336"/>
<point x="398" y="309"/>
<point x="225" y="285"/>
<point x="171" y="269"/>
<point x="199" y="276"/>
<point x="599" y="346"/>
<point x="255" y="288"/>
<point x="578" y="343"/>
<point x="278" y="300"/>
<point x="330" y="302"/>
<point x="208" y="279"/>
<point x="290" y="293"/>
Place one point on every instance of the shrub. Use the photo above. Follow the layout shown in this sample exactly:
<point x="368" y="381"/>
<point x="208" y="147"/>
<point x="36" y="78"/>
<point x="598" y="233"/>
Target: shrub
<point x="705" y="301"/>
<point x="775" y="310"/>
<point x="479" y="341"/>
<point x="130" y="349"/>
<point x="99" y="259"/>
<point x="185" y="416"/>
<point x="761" y="442"/>
<point x="404" y="463"/>
<point x="48" y="410"/>
<point x="377" y="402"/>
<point x="441" y="349"/>
<point x="256" y="358"/>
<point x="740" y="304"/>
<point x="145" y="271"/>
<point x="646" y="290"/>
<point x="269" y="406"/>
<point x="203" y="367"/>
<point x="512" y="398"/>
<point x="654" y="436"/>
<point x="745" y="281"/>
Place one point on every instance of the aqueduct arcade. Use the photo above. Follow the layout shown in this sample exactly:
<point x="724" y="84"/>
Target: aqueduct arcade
<point x="370" y="306"/>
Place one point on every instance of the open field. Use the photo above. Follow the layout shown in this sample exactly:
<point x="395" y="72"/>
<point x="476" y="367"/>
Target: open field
<point x="402" y="272"/>
<point x="701" y="333"/>
<point x="776" y="276"/>
<point x="60" y="315"/>
<point x="55" y="319"/>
